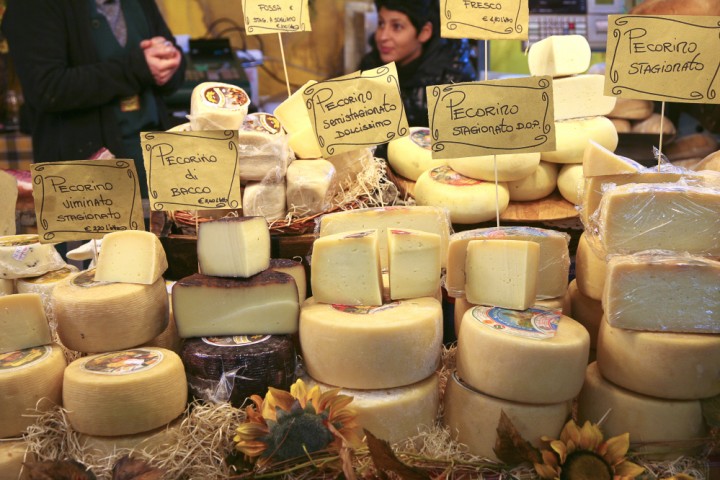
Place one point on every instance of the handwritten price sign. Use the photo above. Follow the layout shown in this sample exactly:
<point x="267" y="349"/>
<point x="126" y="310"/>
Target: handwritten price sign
<point x="485" y="19"/>
<point x="276" y="16"/>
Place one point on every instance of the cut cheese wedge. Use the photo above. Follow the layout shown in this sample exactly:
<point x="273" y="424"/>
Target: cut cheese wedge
<point x="559" y="56"/>
<point x="234" y="246"/>
<point x="131" y="256"/>
<point x="599" y="160"/>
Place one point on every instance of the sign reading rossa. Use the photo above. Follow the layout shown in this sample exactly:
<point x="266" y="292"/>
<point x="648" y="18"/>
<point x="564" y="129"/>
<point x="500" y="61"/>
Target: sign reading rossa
<point x="85" y="199"/>
<point x="356" y="110"/>
<point x="485" y="20"/>
<point x="663" y="58"/>
<point x="192" y="170"/>
<point x="496" y="117"/>
<point x="276" y="16"/>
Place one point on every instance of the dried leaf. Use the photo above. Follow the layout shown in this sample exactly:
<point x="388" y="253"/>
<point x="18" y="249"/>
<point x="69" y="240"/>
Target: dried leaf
<point x="128" y="468"/>
<point x="711" y="410"/>
<point x="510" y="447"/>
<point x="385" y="460"/>
<point x="58" y="470"/>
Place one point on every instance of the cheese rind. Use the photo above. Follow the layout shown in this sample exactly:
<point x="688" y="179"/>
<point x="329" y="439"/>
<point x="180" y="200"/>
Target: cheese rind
<point x="510" y="167"/>
<point x="311" y="185"/>
<point x="587" y="311"/>
<point x="296" y="270"/>
<point x="411" y="155"/>
<point x="536" y="186"/>
<point x="361" y="347"/>
<point x="234" y="246"/>
<point x="542" y="354"/>
<point x="664" y="365"/>
<point x="502" y="273"/>
<point x="581" y="96"/>
<point x="264" y="304"/>
<point x="559" y="56"/>
<point x="262" y="149"/>
<point x="414" y="263"/>
<point x="24" y="256"/>
<point x="23" y="322"/>
<point x="573" y="136"/>
<point x="590" y="269"/>
<point x="570" y="182"/>
<point x="131" y="256"/>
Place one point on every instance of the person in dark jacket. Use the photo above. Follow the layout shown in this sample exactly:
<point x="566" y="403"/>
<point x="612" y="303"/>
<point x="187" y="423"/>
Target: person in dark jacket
<point x="408" y="34"/>
<point x="93" y="73"/>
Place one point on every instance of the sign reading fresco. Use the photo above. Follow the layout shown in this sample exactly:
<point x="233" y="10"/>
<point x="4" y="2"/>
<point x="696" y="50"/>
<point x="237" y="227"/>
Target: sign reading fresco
<point x="484" y="20"/>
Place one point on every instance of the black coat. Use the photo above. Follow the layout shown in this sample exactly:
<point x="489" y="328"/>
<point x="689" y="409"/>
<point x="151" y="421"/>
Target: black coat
<point x="68" y="90"/>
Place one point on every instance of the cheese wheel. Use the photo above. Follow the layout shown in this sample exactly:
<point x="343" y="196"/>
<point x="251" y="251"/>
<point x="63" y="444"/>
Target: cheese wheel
<point x="124" y="392"/>
<point x="468" y="200"/>
<point x="233" y="246"/>
<point x="100" y="316"/>
<point x="473" y="417"/>
<point x="570" y="182"/>
<point x="664" y="364"/>
<point x="580" y="96"/>
<point x="538" y="185"/>
<point x="598" y="160"/>
<point x="230" y="369"/>
<point x="8" y="203"/>
<point x="659" y="429"/>
<point x="30" y="379"/>
<point x="44" y="286"/>
<point x="264" y="200"/>
<point x="311" y="186"/>
<point x="24" y="256"/>
<point x="632" y="109"/>
<point x="559" y="56"/>
<point x="587" y="311"/>
<point x="654" y="124"/>
<point x="411" y="155"/>
<point x="23" y="322"/>
<point x="573" y="136"/>
<point x="12" y="456"/>
<point x="168" y="338"/>
<point x="510" y="167"/>
<point x="151" y="442"/>
<point x="263" y="150"/>
<point x="532" y="356"/>
<point x="621" y="125"/>
<point x="217" y="106"/>
<point x="348" y="165"/>
<point x="131" y="256"/>
<point x="393" y="414"/>
<point x="711" y="162"/>
<point x="389" y="346"/>
<point x="296" y="270"/>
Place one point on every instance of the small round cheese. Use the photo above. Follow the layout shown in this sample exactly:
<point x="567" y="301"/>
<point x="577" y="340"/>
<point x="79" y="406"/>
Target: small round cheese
<point x="667" y="423"/>
<point x="217" y="106"/>
<point x="587" y="311"/>
<point x="664" y="364"/>
<point x="473" y="417"/>
<point x="124" y="392"/>
<point x="510" y="167"/>
<point x="538" y="185"/>
<point x="468" y="200"/>
<point x="13" y="454"/>
<point x="572" y="136"/>
<point x="570" y="182"/>
<point x="24" y="256"/>
<point x="411" y="155"/>
<point x="150" y="442"/>
<point x="361" y="347"/>
<point x="590" y="270"/>
<point x="530" y="356"/>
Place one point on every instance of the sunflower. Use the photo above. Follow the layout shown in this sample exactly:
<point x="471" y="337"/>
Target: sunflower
<point x="583" y="454"/>
<point x="289" y="425"/>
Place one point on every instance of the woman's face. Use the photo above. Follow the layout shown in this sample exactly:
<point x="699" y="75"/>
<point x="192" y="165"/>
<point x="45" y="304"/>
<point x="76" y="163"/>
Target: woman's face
<point x="397" y="39"/>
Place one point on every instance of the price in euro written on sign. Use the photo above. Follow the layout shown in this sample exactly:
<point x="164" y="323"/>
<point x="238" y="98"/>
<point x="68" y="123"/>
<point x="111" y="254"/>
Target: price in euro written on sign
<point x="484" y="19"/>
<point x="663" y="58"/>
<point x="495" y="117"/>
<point x="276" y="16"/>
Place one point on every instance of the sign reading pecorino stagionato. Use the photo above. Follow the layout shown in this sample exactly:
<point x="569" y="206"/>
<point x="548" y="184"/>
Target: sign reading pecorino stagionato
<point x="484" y="19"/>
<point x="663" y="58"/>
<point x="192" y="170"/>
<point x="512" y="115"/>
<point x="85" y="199"/>
<point x="276" y="16"/>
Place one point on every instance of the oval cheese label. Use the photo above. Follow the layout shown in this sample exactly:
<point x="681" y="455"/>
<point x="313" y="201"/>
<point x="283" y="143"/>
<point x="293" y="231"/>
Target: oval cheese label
<point x="51" y="277"/>
<point x="236" y="340"/>
<point x="123" y="362"/>
<point x="504" y="232"/>
<point x="226" y="97"/>
<point x="364" y="309"/>
<point x="23" y="358"/>
<point x="534" y="323"/>
<point x="86" y="279"/>
<point x="262" y="122"/>
<point x="447" y="176"/>
<point x="421" y="138"/>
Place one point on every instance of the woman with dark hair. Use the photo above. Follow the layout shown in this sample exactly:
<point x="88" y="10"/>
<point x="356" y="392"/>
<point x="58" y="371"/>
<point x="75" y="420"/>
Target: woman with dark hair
<point x="408" y="34"/>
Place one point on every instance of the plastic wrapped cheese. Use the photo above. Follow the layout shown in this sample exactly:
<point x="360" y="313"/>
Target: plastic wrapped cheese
<point x="217" y="106"/>
<point x="264" y="199"/>
<point x="263" y="152"/>
<point x="23" y="256"/>
<point x="311" y="186"/>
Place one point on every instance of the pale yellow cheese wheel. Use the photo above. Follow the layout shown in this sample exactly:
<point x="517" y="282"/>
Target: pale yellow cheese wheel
<point x="538" y="185"/>
<point x="570" y="182"/>
<point x="632" y="109"/>
<point x="672" y="424"/>
<point x="664" y="364"/>
<point x="586" y="311"/>
<point x="590" y="269"/>
<point x="411" y="155"/>
<point x="572" y="136"/>
<point x="473" y="417"/>
<point x="468" y="200"/>
<point x="362" y="347"/>
<point x="150" y="442"/>
<point x="124" y="392"/>
<point x="532" y="356"/>
<point x="510" y="167"/>
<point x="12" y="456"/>
<point x="29" y="379"/>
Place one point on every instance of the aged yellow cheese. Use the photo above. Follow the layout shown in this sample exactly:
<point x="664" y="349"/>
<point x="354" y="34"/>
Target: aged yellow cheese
<point x="536" y="186"/>
<point x="659" y="429"/>
<point x="587" y="311"/>
<point x="23" y="322"/>
<point x="411" y="155"/>
<point x="559" y="56"/>
<point x="13" y="453"/>
<point x="473" y="417"/>
<point x="7" y="287"/>
<point x="570" y="182"/>
<point x="664" y="364"/>
<point x="590" y="269"/>
<point x="502" y="273"/>
<point x="413" y="263"/>
<point x="311" y="185"/>
<point x="292" y="111"/>
<point x="573" y="136"/>
<point x="531" y="356"/>
<point x="295" y="269"/>
<point x="151" y="442"/>
<point x="363" y="347"/>
<point x="44" y="286"/>
<point x="131" y="256"/>
<point x="233" y="246"/>
<point x="581" y="96"/>
<point x="8" y="202"/>
<point x="598" y="160"/>
<point x="510" y="167"/>
<point x="24" y="256"/>
<point x="124" y="392"/>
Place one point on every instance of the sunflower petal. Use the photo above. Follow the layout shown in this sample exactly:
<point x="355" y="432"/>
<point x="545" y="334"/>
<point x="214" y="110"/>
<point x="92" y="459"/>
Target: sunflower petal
<point x="628" y="469"/>
<point x="617" y="448"/>
<point x="560" y="448"/>
<point x="590" y="437"/>
<point x="546" y="472"/>
<point x="299" y="391"/>
<point x="570" y="432"/>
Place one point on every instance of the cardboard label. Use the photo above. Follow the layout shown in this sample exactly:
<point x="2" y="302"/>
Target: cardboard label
<point x="357" y="110"/>
<point x="663" y="58"/>
<point x="276" y="16"/>
<point x="492" y="118"/>
<point x="85" y="199"/>
<point x="192" y="170"/>
<point x="485" y="19"/>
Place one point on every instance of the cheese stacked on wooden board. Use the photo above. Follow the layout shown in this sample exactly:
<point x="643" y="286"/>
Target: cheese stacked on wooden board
<point x="393" y="414"/>
<point x="217" y="106"/>
<point x="124" y="392"/>
<point x="365" y="347"/>
<point x="510" y="167"/>
<point x="570" y="182"/>
<point x="233" y="246"/>
<point x="572" y="137"/>
<point x="8" y="202"/>
<point x="23" y="322"/>
<point x="559" y="56"/>
<point x="24" y="256"/>
<point x="30" y="379"/>
<point x="473" y="417"/>
<point x="581" y="96"/>
<point x="231" y="369"/>
<point x="131" y="256"/>
<point x="411" y="155"/>
<point x="539" y="184"/>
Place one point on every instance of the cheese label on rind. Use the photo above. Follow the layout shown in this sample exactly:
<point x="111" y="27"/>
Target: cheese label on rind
<point x="364" y="309"/>
<point x="532" y="323"/>
<point x="235" y="341"/>
<point x="123" y="362"/>
<point x="225" y="97"/>
<point x="25" y="358"/>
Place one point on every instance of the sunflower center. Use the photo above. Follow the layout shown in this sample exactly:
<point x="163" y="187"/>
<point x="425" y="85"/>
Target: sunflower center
<point x="585" y="465"/>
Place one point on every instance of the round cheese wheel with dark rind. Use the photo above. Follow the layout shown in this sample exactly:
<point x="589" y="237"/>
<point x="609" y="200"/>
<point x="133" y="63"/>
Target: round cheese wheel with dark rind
<point x="221" y="369"/>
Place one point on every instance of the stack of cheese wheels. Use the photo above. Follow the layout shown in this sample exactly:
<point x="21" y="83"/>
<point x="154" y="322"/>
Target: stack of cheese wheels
<point x="647" y="258"/>
<point x="497" y="275"/>
<point x="580" y="112"/>
<point x="383" y="350"/>
<point x="411" y="155"/>
<point x="239" y="314"/>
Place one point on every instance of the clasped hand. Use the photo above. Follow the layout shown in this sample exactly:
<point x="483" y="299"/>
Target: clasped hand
<point x="162" y="58"/>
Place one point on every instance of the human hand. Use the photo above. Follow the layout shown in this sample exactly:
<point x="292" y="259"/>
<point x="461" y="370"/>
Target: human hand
<point x="162" y="57"/>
